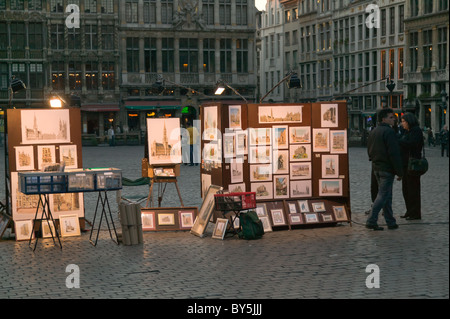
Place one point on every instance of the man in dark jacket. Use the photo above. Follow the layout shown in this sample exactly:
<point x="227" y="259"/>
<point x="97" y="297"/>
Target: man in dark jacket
<point x="384" y="152"/>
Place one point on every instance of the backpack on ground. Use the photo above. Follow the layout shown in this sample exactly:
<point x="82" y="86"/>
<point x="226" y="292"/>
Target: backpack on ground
<point x="251" y="225"/>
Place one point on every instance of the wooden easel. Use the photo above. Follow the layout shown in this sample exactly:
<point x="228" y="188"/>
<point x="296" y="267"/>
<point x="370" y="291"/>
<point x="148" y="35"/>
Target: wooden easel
<point x="162" y="182"/>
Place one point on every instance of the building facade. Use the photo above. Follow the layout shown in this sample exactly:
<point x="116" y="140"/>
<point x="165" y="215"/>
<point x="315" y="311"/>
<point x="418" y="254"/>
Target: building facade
<point x="348" y="49"/>
<point x="113" y="59"/>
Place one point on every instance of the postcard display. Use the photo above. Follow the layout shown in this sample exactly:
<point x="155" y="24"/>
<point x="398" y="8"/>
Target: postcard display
<point x="293" y="156"/>
<point x="37" y="138"/>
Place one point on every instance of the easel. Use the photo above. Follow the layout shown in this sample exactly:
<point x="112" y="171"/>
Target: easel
<point x="162" y="182"/>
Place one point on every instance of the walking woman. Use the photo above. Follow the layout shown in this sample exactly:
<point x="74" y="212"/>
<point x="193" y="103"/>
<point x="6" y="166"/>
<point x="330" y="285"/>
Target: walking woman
<point x="411" y="144"/>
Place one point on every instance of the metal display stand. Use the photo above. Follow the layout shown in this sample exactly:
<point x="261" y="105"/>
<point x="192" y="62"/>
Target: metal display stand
<point x="103" y="199"/>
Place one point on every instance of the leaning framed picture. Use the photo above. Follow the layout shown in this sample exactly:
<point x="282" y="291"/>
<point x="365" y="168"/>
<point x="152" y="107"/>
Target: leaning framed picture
<point x="166" y="219"/>
<point x="266" y="223"/>
<point x="277" y="217"/>
<point x="4" y="222"/>
<point x="48" y="229"/>
<point x="24" y="229"/>
<point x="318" y="207"/>
<point x="220" y="228"/>
<point x="148" y="220"/>
<point x="311" y="218"/>
<point x="295" y="219"/>
<point x="205" y="211"/>
<point x="70" y="225"/>
<point x="340" y="214"/>
<point x="186" y="218"/>
<point x="24" y="158"/>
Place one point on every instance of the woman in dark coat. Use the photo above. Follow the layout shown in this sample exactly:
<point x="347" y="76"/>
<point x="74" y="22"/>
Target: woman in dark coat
<point x="411" y="144"/>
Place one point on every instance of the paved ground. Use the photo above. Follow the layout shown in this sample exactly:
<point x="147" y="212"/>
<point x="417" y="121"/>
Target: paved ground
<point x="314" y="263"/>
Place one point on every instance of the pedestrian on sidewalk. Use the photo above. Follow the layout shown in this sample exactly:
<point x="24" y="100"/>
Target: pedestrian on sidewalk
<point x="111" y="136"/>
<point x="384" y="152"/>
<point x="430" y="137"/>
<point x="444" y="140"/>
<point x="193" y="141"/>
<point x="411" y="145"/>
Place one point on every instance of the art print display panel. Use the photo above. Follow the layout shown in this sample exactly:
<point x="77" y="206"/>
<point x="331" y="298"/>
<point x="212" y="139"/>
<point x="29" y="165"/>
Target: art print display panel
<point x="45" y="126"/>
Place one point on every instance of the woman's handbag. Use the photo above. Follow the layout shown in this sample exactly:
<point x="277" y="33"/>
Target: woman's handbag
<point x="418" y="166"/>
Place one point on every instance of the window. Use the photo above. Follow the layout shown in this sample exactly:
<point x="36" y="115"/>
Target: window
<point x="91" y="75"/>
<point x="35" y="35"/>
<point x="3" y="36"/>
<point x="383" y="64"/>
<point x="189" y="55"/>
<point x="150" y="11"/>
<point x="413" y="50"/>
<point x="2" y="7"/>
<point x="90" y="6"/>
<point x="400" y="63"/>
<point x="75" y="75"/>
<point x="56" y="6"/>
<point x="374" y="65"/>
<point x="18" y="69"/>
<point x="91" y="37"/>
<point x="58" y="75"/>
<point x="17" y="5"/>
<point x="107" y="6"/>
<point x="392" y="20"/>
<point x="209" y="59"/>
<point x="242" y="55"/>
<point x="108" y="37"/>
<point x="414" y="5"/>
<point x="401" y="17"/>
<point x="131" y="8"/>
<point x="383" y="22"/>
<point x="57" y="38"/>
<point x="225" y="12"/>
<point x="208" y="11"/>
<point x="167" y="55"/>
<point x="108" y="78"/>
<point x="443" y="5"/>
<point x="442" y="48"/>
<point x="133" y="54"/>
<point x="427" y="7"/>
<point x="427" y="48"/>
<point x="225" y="55"/>
<point x="166" y="11"/>
<point x="241" y="12"/>
<point x="391" y="63"/>
<point x="150" y="54"/>
<point x="17" y="36"/>
<point x="34" y="5"/>
<point x="74" y="38"/>
<point x="3" y="76"/>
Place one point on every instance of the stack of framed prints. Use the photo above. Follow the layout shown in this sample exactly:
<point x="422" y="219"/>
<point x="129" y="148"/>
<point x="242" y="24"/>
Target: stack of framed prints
<point x="168" y="218"/>
<point x="38" y="138"/>
<point x="286" y="153"/>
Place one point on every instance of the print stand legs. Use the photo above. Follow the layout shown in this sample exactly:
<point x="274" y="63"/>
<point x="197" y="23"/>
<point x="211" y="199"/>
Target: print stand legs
<point x="47" y="217"/>
<point x="103" y="200"/>
<point x="162" y="183"/>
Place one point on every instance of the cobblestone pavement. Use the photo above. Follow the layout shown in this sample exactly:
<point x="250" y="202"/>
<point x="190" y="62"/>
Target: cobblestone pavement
<point x="314" y="263"/>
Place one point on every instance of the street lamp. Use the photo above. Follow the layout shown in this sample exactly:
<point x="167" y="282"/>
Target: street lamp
<point x="220" y="88"/>
<point x="390" y="86"/>
<point x="294" y="82"/>
<point x="444" y="97"/>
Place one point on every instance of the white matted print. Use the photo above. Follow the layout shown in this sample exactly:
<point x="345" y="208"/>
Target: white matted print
<point x="24" y="158"/>
<point x="260" y="154"/>
<point x="330" y="166"/>
<point x="281" y="186"/>
<point x="340" y="213"/>
<point x="23" y="206"/>
<point x="206" y="182"/>
<point x="45" y="126"/>
<point x="67" y="203"/>
<point x="304" y="207"/>
<point x="48" y="228"/>
<point x="260" y="136"/>
<point x="210" y="123"/>
<point x="241" y="142"/>
<point x="280" y="137"/>
<point x="321" y="140"/>
<point x="234" y="117"/>
<point x="228" y="145"/>
<point x="301" y="188"/>
<point x="68" y="156"/>
<point x="311" y="218"/>
<point x="299" y="134"/>
<point x="280" y="114"/>
<point x="260" y="173"/>
<point x="280" y="161"/>
<point x="220" y="228"/>
<point x="70" y="225"/>
<point x="300" y="170"/>
<point x="148" y="220"/>
<point x="330" y="187"/>
<point x="237" y="172"/>
<point x="237" y="188"/>
<point x="186" y="219"/>
<point x="46" y="154"/>
<point x="164" y="140"/>
<point x="24" y="229"/>
<point x="300" y="153"/>
<point x="329" y="115"/>
<point x="277" y="217"/>
<point x="263" y="190"/>
<point x="266" y="223"/>
<point x="338" y="140"/>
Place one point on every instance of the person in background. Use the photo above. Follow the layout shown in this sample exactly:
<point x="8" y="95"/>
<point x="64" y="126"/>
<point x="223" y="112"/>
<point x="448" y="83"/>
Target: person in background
<point x="111" y="136"/>
<point x="411" y="144"/>
<point x="430" y="137"/>
<point x="444" y="140"/>
<point x="193" y="140"/>
<point x="384" y="152"/>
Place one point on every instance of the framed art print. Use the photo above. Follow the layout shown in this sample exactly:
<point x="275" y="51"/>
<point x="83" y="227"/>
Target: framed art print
<point x="205" y="212"/>
<point x="280" y="137"/>
<point x="295" y="219"/>
<point x="266" y="223"/>
<point x="329" y="115"/>
<point x="5" y="220"/>
<point x="260" y="172"/>
<point x="46" y="155"/>
<point x="261" y="210"/>
<point x="311" y="218"/>
<point x="237" y="188"/>
<point x="280" y="161"/>
<point x="228" y="145"/>
<point x="186" y="218"/>
<point x="148" y="220"/>
<point x="340" y="214"/>
<point x="318" y="207"/>
<point x="24" y="158"/>
<point x="327" y="217"/>
<point x="277" y="217"/>
<point x="321" y="140"/>
<point x="280" y="114"/>
<point x="69" y="225"/>
<point x="260" y="136"/>
<point x="68" y="156"/>
<point x="281" y="186"/>
<point x="166" y="219"/>
<point x="24" y="229"/>
<point x="220" y="228"/>
<point x="237" y="172"/>
<point x="234" y="119"/>
<point x="303" y="204"/>
<point x="260" y="154"/>
<point x="330" y="187"/>
<point x="330" y="166"/>
<point x="164" y="140"/>
<point x="45" y="126"/>
<point x="301" y="188"/>
<point x="48" y="229"/>
<point x="301" y="152"/>
<point x="263" y="190"/>
<point x="300" y="170"/>
<point x="210" y="123"/>
<point x="299" y="134"/>
<point x="241" y="142"/>
<point x="338" y="140"/>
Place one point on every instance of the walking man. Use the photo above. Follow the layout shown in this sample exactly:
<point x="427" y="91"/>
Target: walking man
<point x="384" y="153"/>
<point x="444" y="140"/>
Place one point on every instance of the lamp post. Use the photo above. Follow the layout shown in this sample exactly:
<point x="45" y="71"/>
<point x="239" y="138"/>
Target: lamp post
<point x="444" y="97"/>
<point x="390" y="86"/>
